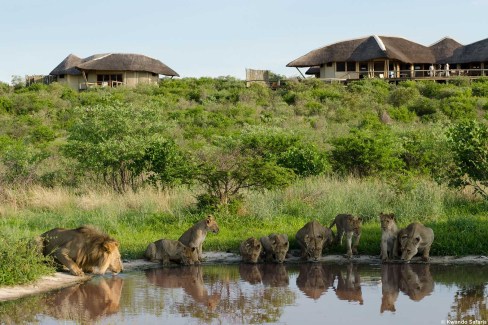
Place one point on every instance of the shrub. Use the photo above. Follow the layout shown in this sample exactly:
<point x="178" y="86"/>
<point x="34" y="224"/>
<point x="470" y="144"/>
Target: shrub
<point x="400" y="96"/>
<point x="469" y="142"/>
<point x="116" y="142"/>
<point x="459" y="108"/>
<point x="304" y="160"/>
<point x="366" y="152"/>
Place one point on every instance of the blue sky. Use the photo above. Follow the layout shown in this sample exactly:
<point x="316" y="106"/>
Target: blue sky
<point x="218" y="38"/>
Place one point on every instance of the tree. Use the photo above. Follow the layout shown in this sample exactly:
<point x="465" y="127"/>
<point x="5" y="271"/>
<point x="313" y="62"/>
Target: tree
<point x="226" y="172"/>
<point x="124" y="146"/>
<point x="469" y="142"/>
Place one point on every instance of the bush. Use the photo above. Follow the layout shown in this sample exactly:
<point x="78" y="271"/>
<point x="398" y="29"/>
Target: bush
<point x="117" y="142"/>
<point x="459" y="108"/>
<point x="21" y="262"/>
<point x="469" y="142"/>
<point x="366" y="152"/>
<point x="304" y="160"/>
<point x="401" y="96"/>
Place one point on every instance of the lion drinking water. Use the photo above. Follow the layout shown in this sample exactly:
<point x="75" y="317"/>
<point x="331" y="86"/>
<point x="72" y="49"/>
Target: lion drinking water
<point x="275" y="247"/>
<point x="312" y="238"/>
<point x="250" y="250"/>
<point x="414" y="239"/>
<point x="84" y="249"/>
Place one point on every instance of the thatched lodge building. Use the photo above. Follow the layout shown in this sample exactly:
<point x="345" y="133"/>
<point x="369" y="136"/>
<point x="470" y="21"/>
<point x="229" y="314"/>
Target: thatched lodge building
<point x="110" y="70"/>
<point x="395" y="58"/>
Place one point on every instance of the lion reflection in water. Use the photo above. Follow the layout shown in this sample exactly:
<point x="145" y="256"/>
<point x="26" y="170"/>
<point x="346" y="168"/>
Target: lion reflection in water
<point x="190" y="279"/>
<point x="87" y="302"/>
<point x="415" y="280"/>
<point x="314" y="279"/>
<point x="269" y="274"/>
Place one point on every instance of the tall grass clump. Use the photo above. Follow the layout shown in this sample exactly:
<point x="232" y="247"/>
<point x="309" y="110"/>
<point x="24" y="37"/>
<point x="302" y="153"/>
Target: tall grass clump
<point x="324" y="197"/>
<point x="20" y="261"/>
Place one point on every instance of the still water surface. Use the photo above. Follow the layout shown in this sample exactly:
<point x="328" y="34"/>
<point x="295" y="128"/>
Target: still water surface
<point x="304" y="294"/>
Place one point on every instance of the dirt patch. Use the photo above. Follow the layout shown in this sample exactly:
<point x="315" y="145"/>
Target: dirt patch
<point x="61" y="280"/>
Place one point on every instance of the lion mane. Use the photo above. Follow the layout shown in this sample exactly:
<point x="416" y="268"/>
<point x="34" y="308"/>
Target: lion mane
<point x="84" y="249"/>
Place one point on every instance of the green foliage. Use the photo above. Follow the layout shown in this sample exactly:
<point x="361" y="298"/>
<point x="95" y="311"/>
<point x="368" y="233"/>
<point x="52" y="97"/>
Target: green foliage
<point x="116" y="142"/>
<point x="225" y="172"/>
<point x="20" y="160"/>
<point x="304" y="160"/>
<point x="21" y="262"/>
<point x="459" y="107"/>
<point x="469" y="143"/>
<point x="423" y="107"/>
<point x="401" y="96"/>
<point x="366" y="151"/>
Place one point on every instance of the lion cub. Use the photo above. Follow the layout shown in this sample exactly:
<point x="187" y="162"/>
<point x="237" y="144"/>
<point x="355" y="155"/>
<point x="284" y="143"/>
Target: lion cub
<point x="166" y="251"/>
<point x="351" y="226"/>
<point x="275" y="247"/>
<point x="197" y="233"/>
<point x="251" y="250"/>
<point x="389" y="233"/>
<point x="414" y="239"/>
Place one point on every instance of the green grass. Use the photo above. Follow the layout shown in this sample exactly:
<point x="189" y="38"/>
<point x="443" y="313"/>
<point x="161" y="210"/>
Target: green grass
<point x="460" y="223"/>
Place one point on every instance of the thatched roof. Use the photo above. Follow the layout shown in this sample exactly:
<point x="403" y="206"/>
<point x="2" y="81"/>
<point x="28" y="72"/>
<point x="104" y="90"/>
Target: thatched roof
<point x="474" y="52"/>
<point x="315" y="70"/>
<point x="340" y="51"/>
<point x="67" y="66"/>
<point x="368" y="48"/>
<point x="113" y="62"/>
<point x="444" y="49"/>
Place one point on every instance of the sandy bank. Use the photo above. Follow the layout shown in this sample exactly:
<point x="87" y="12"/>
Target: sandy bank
<point x="61" y="280"/>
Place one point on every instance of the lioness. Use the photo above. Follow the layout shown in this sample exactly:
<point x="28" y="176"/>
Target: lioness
<point x="389" y="232"/>
<point x="167" y="251"/>
<point x="351" y="226"/>
<point x="312" y="237"/>
<point x="195" y="236"/>
<point x="251" y="250"/>
<point x="275" y="247"/>
<point x="416" y="238"/>
<point x="83" y="249"/>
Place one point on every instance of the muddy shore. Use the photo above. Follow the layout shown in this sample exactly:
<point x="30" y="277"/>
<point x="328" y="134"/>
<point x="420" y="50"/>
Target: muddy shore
<point x="62" y="279"/>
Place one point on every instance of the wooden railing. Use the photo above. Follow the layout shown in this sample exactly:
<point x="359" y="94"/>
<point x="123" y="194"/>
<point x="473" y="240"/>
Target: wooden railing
<point x="88" y="85"/>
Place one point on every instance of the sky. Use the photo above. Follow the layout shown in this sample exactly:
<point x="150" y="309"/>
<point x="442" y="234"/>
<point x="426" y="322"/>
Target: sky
<point x="215" y="38"/>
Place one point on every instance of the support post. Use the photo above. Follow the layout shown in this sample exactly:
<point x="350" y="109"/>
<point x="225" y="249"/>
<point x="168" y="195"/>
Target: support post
<point x="300" y="72"/>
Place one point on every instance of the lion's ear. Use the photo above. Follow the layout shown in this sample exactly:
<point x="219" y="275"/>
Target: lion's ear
<point x="110" y="246"/>
<point x="193" y="249"/>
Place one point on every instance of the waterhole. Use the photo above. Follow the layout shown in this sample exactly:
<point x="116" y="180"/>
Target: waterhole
<point x="310" y="293"/>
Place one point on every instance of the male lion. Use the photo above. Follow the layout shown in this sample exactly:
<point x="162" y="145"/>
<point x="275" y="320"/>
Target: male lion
<point x="389" y="232"/>
<point x="195" y="236"/>
<point x="251" y="250"/>
<point x="166" y="251"/>
<point x="416" y="238"/>
<point x="84" y="249"/>
<point x="312" y="237"/>
<point x="275" y="247"/>
<point x="351" y="226"/>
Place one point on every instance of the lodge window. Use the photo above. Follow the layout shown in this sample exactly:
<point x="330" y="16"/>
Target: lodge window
<point x="340" y="66"/>
<point x="111" y="80"/>
<point x="363" y="66"/>
<point x="379" y="66"/>
<point x="61" y="76"/>
<point x="329" y="64"/>
<point x="351" y="66"/>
